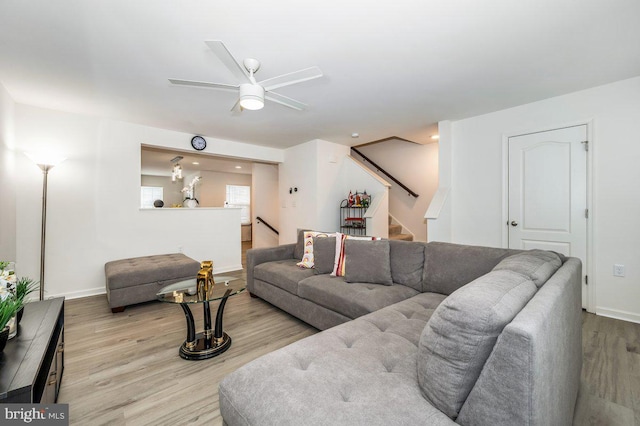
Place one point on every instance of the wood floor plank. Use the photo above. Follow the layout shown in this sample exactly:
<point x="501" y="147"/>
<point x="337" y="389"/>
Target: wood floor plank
<point x="592" y="410"/>
<point x="605" y="367"/>
<point x="634" y="378"/>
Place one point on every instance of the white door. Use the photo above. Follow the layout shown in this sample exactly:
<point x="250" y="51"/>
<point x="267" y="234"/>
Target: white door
<point x="548" y="193"/>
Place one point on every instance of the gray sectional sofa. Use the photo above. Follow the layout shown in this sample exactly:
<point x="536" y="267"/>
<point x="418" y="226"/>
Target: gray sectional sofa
<point x="463" y="335"/>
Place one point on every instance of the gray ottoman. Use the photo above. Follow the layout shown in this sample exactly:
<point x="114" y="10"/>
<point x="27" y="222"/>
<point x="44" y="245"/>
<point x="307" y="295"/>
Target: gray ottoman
<point x="138" y="279"/>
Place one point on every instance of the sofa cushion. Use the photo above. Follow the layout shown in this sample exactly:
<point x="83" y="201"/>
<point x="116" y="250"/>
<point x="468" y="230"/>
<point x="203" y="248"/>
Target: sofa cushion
<point x="351" y="299"/>
<point x="339" y="263"/>
<point x="358" y="373"/>
<point x="298" y="251"/>
<point x="407" y="263"/>
<point x="538" y="265"/>
<point x="367" y="262"/>
<point x="324" y="252"/>
<point x="461" y="334"/>
<point x="308" y="258"/>
<point x="282" y="273"/>
<point x="450" y="266"/>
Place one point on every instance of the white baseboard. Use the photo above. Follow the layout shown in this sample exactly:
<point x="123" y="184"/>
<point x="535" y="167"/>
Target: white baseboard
<point x="79" y="294"/>
<point x="102" y="290"/>
<point x="218" y="271"/>
<point x="621" y="315"/>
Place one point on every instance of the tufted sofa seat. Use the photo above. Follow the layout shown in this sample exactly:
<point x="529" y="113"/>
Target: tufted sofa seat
<point x="369" y="374"/>
<point x="361" y="298"/>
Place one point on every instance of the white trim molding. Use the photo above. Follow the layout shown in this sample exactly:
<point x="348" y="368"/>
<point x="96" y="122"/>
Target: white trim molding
<point x="616" y="314"/>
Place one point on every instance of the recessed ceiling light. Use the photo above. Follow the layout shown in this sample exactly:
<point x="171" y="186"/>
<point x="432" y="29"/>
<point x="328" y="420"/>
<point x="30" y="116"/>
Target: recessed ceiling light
<point x="195" y="163"/>
<point x="435" y="137"/>
<point x="355" y="135"/>
<point x="238" y="167"/>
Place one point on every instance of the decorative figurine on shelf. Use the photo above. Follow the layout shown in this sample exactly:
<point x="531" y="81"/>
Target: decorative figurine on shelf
<point x="358" y="200"/>
<point x="366" y="200"/>
<point x="350" y="199"/>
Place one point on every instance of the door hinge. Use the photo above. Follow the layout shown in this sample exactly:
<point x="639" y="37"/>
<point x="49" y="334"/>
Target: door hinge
<point x="586" y="145"/>
<point x="586" y="279"/>
<point x="586" y="213"/>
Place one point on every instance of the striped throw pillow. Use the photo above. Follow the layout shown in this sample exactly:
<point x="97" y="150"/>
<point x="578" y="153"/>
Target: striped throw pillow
<point x="339" y="262"/>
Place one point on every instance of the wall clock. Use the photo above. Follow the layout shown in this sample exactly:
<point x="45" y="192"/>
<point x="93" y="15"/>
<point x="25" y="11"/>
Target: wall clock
<point x="198" y="143"/>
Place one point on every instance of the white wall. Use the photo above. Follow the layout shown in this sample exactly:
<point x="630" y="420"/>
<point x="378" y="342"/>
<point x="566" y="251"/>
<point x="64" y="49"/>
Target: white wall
<point x="212" y="189"/>
<point x="477" y="181"/>
<point x="357" y="176"/>
<point x="439" y="215"/>
<point x="298" y="209"/>
<point x="416" y="166"/>
<point x="265" y="203"/>
<point x="314" y="168"/>
<point x="93" y="213"/>
<point x="324" y="174"/>
<point x="7" y="178"/>
<point x="331" y="184"/>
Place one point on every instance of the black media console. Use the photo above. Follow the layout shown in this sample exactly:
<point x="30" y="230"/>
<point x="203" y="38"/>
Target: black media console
<point x="32" y="363"/>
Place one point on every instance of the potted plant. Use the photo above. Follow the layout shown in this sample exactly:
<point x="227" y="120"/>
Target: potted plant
<point x="24" y="287"/>
<point x="190" y="200"/>
<point x="9" y="305"/>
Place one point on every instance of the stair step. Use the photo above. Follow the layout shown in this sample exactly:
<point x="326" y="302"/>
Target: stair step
<point x="395" y="229"/>
<point x="404" y="237"/>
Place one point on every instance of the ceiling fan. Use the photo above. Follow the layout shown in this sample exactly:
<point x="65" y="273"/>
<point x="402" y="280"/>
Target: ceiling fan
<point x="252" y="92"/>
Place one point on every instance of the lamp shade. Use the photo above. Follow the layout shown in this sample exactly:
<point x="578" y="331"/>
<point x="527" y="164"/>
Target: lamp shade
<point x="45" y="158"/>
<point x="251" y="96"/>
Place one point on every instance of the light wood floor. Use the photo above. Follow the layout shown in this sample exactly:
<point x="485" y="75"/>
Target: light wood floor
<point x="124" y="369"/>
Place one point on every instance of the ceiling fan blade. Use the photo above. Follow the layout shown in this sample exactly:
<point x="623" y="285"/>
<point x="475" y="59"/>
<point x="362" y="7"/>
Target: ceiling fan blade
<point x="291" y="78"/>
<point x="237" y="108"/>
<point x="286" y="101"/>
<point x="228" y="60"/>
<point x="204" y="84"/>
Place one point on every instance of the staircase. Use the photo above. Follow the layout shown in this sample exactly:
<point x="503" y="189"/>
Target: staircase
<point x="395" y="232"/>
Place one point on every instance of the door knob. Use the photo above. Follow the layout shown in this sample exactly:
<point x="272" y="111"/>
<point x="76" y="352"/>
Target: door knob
<point x="514" y="223"/>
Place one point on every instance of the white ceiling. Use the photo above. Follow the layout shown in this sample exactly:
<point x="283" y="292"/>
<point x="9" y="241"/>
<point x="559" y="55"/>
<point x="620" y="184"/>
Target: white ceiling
<point x="157" y="162"/>
<point x="392" y="67"/>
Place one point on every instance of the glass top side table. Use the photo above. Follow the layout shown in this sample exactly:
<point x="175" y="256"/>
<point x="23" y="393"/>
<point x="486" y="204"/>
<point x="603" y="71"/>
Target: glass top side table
<point x="210" y="342"/>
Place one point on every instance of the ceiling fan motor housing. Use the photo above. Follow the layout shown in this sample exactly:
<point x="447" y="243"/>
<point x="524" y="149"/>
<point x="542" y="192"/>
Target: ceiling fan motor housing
<point x="251" y="65"/>
<point x="251" y="96"/>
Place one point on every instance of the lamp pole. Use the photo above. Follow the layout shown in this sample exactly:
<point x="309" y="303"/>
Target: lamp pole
<point x="45" y="161"/>
<point x="45" y="172"/>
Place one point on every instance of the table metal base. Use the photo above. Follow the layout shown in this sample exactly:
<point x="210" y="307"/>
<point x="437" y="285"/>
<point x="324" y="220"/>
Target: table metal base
<point x="210" y="342"/>
<point x="205" y="347"/>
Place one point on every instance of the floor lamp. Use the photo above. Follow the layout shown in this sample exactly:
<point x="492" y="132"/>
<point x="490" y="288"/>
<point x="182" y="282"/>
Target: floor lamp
<point x="45" y="162"/>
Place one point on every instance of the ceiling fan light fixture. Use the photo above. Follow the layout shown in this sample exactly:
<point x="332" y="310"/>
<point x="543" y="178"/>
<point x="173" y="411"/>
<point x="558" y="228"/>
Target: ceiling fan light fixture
<point x="251" y="96"/>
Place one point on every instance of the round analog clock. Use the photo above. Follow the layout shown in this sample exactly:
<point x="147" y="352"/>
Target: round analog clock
<point x="198" y="143"/>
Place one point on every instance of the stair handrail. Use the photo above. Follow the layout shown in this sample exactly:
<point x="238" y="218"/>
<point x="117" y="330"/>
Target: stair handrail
<point x="264" y="222"/>
<point x="384" y="172"/>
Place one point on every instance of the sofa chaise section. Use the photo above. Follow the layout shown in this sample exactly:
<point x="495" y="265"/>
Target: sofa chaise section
<point x="362" y="372"/>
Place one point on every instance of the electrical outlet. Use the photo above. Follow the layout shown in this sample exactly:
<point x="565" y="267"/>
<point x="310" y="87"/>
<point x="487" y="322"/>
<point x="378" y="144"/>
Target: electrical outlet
<point x="179" y="249"/>
<point x="618" y="270"/>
